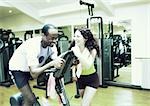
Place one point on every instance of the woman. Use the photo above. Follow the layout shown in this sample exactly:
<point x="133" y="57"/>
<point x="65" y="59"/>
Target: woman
<point x="85" y="49"/>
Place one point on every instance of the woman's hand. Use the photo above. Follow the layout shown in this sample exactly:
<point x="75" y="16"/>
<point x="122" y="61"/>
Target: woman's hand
<point x="74" y="78"/>
<point x="76" y="51"/>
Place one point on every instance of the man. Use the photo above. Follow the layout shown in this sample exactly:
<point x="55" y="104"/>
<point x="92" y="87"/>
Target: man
<point x="124" y="36"/>
<point x="29" y="58"/>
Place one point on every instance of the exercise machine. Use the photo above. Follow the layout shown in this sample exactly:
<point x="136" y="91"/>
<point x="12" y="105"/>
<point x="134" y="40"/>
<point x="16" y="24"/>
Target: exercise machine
<point x="69" y="57"/>
<point x="17" y="100"/>
<point x="8" y="44"/>
<point x="59" y="73"/>
<point x="28" y="34"/>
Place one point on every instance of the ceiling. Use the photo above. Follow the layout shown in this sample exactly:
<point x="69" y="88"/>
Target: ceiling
<point x="38" y="9"/>
<point x="8" y="11"/>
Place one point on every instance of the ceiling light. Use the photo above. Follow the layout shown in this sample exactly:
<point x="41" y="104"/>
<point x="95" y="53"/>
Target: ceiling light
<point x="48" y="1"/>
<point x="10" y="11"/>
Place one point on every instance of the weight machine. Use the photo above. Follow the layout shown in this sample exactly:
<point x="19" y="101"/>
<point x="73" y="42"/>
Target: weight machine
<point x="8" y="44"/>
<point x="100" y="63"/>
<point x="90" y="7"/>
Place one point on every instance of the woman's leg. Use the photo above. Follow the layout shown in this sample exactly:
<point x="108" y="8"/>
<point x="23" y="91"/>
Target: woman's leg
<point x="88" y="96"/>
<point x="81" y="92"/>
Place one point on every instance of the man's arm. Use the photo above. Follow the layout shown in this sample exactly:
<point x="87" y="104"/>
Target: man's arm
<point x="36" y="70"/>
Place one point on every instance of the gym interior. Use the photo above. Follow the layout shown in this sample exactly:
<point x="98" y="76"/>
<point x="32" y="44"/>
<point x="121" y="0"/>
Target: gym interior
<point x="121" y="27"/>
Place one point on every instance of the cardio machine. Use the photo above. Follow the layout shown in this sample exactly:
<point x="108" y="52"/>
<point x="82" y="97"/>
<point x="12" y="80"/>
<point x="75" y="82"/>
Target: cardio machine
<point x="69" y="57"/>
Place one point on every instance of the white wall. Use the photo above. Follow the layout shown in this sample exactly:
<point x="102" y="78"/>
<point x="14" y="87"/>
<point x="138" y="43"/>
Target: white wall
<point x="75" y="18"/>
<point x="148" y="32"/>
<point x="20" y="22"/>
<point x="140" y="41"/>
<point x="146" y="60"/>
<point x="1" y="26"/>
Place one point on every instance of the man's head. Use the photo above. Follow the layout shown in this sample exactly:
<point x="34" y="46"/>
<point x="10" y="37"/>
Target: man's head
<point x="50" y="34"/>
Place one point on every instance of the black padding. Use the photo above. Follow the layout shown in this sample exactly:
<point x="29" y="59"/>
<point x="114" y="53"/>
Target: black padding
<point x="1" y="44"/>
<point x="16" y="100"/>
<point x="69" y="58"/>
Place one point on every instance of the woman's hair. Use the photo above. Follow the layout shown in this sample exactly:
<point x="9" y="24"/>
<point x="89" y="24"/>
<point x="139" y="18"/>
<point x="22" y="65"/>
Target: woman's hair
<point x="90" y="43"/>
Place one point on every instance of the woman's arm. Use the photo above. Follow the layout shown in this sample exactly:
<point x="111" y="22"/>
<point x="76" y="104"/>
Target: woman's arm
<point x="86" y="59"/>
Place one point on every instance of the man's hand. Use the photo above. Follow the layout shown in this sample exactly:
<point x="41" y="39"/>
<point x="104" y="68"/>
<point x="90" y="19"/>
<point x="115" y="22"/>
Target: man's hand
<point x="58" y="62"/>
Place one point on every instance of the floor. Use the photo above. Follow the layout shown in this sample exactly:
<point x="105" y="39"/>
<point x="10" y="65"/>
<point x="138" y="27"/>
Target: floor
<point x="124" y="75"/>
<point x="111" y="96"/>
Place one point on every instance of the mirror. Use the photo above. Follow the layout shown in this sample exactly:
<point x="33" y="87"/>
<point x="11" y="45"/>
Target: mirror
<point x="122" y="51"/>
